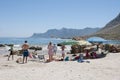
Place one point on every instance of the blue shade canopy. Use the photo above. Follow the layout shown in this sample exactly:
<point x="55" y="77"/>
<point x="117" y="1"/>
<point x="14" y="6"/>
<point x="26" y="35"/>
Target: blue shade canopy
<point x="96" y="39"/>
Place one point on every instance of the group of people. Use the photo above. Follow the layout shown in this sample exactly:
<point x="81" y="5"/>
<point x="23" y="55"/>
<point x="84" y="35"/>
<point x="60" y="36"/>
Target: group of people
<point x="52" y="49"/>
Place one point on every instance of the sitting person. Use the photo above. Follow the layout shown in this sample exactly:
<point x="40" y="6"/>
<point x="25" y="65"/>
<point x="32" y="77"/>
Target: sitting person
<point x="19" y="60"/>
<point x="79" y="57"/>
<point x="87" y="54"/>
<point x="93" y="54"/>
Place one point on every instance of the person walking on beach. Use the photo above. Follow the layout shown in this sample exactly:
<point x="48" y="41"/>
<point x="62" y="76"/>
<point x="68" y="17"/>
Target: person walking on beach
<point x="25" y="48"/>
<point x="63" y="51"/>
<point x="54" y="49"/>
<point x="11" y="53"/>
<point x="50" y="51"/>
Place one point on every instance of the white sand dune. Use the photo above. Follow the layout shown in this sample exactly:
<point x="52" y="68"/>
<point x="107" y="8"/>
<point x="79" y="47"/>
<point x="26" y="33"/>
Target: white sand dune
<point x="107" y="68"/>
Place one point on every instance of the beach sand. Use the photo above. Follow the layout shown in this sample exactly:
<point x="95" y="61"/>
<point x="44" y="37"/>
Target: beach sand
<point x="107" y="68"/>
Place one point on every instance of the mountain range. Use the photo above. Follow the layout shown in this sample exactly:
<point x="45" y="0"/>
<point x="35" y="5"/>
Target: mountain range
<point x="65" y="33"/>
<point x="110" y="31"/>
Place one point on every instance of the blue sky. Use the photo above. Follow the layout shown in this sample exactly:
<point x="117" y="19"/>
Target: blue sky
<point x="22" y="18"/>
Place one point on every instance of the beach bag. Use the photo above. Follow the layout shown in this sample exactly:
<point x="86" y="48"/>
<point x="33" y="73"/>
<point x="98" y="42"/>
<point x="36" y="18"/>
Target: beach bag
<point x="67" y="58"/>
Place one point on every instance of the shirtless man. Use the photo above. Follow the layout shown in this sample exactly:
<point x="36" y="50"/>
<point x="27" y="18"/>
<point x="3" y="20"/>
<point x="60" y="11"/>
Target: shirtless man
<point x="25" y="48"/>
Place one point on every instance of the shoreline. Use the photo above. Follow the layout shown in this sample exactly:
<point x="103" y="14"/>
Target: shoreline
<point x="5" y="50"/>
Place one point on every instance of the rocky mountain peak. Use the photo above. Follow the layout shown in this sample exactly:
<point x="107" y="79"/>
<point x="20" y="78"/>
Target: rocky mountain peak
<point x="114" y="22"/>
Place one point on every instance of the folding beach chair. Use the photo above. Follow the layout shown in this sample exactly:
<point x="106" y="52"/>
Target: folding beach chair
<point x="41" y="57"/>
<point x="34" y="56"/>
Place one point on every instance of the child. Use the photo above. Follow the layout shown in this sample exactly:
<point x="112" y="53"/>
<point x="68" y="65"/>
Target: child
<point x="11" y="53"/>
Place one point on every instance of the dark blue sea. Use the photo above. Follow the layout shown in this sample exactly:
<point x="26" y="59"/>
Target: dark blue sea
<point x="33" y="41"/>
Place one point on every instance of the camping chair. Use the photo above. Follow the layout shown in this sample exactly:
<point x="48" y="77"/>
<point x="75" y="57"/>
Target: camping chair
<point x="41" y="57"/>
<point x="38" y="58"/>
<point x="34" y="56"/>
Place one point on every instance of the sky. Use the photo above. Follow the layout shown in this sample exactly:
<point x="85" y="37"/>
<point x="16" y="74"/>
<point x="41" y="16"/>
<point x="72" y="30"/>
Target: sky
<point x="22" y="18"/>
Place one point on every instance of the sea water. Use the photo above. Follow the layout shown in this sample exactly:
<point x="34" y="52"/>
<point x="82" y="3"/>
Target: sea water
<point x="42" y="42"/>
<point x="33" y="41"/>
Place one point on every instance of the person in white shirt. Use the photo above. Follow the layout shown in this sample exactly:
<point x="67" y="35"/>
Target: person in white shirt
<point x="55" y="49"/>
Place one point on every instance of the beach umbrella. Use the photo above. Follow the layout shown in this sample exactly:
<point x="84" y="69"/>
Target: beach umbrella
<point x="96" y="39"/>
<point x="69" y="42"/>
<point x="83" y="42"/>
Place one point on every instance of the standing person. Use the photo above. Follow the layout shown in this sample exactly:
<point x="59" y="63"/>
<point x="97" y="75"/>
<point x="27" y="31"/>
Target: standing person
<point x="63" y="51"/>
<point x="25" y="48"/>
<point x="50" y="51"/>
<point x="11" y="53"/>
<point x="54" y="49"/>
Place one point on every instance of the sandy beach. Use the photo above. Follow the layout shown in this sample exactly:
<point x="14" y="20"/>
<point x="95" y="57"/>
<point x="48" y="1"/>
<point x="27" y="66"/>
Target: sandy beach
<point x="59" y="39"/>
<point x="106" y="68"/>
